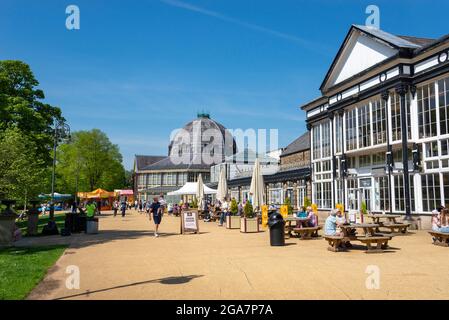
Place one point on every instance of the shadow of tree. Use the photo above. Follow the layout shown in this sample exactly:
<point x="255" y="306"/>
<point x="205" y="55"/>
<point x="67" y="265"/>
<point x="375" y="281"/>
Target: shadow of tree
<point x="105" y="236"/>
<point x="167" y="281"/>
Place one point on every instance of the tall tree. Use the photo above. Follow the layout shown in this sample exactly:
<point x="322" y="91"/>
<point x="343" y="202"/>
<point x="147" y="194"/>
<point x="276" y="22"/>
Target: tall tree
<point x="88" y="162"/>
<point x="21" y="107"/>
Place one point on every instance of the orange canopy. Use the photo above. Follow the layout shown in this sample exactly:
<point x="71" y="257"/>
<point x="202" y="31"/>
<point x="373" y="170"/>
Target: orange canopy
<point x="99" y="193"/>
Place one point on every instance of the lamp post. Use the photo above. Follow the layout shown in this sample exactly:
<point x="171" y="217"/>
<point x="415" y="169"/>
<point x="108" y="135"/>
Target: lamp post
<point x="61" y="131"/>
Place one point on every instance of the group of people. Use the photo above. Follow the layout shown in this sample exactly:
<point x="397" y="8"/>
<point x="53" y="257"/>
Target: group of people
<point x="440" y="220"/>
<point x="310" y="215"/>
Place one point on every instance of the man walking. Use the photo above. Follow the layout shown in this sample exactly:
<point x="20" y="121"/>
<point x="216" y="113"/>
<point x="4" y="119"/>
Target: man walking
<point x="156" y="210"/>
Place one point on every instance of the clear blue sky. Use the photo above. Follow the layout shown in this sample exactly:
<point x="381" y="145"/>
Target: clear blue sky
<point x="138" y="69"/>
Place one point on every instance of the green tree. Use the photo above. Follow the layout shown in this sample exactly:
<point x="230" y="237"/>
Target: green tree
<point x="23" y="175"/>
<point x="88" y="162"/>
<point x="21" y="107"/>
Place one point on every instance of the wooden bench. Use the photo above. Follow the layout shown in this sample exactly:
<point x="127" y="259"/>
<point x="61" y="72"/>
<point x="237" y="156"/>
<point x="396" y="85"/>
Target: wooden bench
<point x="396" y="228"/>
<point x="307" y="233"/>
<point x="380" y="242"/>
<point x="440" y="239"/>
<point x="335" y="243"/>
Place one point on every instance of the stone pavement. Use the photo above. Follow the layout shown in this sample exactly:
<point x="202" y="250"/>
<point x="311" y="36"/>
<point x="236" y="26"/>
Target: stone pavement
<point x="125" y="261"/>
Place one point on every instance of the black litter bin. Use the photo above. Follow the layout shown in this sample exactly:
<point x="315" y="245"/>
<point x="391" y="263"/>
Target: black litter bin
<point x="277" y="229"/>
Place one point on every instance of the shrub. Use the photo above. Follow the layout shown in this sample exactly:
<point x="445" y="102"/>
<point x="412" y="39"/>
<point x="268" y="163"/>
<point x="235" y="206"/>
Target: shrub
<point x="307" y="202"/>
<point x="248" y="210"/>
<point x="288" y="203"/>
<point x="234" y="208"/>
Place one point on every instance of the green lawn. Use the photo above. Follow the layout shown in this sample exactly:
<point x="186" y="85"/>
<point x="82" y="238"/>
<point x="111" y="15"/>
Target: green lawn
<point x="43" y="220"/>
<point x="21" y="269"/>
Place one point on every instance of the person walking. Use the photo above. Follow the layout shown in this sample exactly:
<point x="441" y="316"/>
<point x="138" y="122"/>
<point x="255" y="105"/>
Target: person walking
<point x="123" y="208"/>
<point x="156" y="211"/>
<point x="224" y="211"/>
<point x="74" y="207"/>
<point x="115" y="207"/>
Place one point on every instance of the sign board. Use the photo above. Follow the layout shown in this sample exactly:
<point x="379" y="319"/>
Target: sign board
<point x="284" y="211"/>
<point x="264" y="216"/>
<point x="189" y="222"/>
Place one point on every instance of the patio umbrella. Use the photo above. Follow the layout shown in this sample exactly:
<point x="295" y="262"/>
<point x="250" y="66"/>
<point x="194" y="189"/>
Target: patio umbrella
<point x="200" y="192"/>
<point x="257" y="186"/>
<point x="222" y="189"/>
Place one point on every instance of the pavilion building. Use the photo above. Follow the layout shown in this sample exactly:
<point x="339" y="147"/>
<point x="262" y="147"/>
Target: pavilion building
<point x="380" y="129"/>
<point x="192" y="151"/>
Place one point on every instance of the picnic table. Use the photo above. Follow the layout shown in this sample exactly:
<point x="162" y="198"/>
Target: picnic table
<point x="288" y="223"/>
<point x="391" y="222"/>
<point x="375" y="243"/>
<point x="302" y="230"/>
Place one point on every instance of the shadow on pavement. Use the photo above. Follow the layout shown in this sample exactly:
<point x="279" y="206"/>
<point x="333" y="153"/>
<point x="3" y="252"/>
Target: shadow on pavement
<point x="167" y="281"/>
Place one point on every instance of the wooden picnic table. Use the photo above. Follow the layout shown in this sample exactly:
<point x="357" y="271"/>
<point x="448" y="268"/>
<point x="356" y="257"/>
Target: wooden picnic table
<point x="390" y="217"/>
<point x="290" y="219"/>
<point x="374" y="242"/>
<point x="390" y="223"/>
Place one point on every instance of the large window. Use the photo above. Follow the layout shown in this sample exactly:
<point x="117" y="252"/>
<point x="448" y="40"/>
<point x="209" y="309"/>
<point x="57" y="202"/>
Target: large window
<point x="443" y="98"/>
<point x="379" y="122"/>
<point x="395" y="100"/>
<point x="351" y="129"/>
<point x="323" y="195"/>
<point x="431" y="191"/>
<point x="399" y="195"/>
<point x="326" y="139"/>
<point x="338" y="133"/>
<point x="427" y="114"/>
<point x="364" y="126"/>
<point x="169" y="179"/>
<point x="316" y="142"/>
<point x="382" y="193"/>
<point x="154" y="179"/>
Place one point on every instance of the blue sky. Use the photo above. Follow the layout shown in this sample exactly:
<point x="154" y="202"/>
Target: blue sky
<point x="138" y="69"/>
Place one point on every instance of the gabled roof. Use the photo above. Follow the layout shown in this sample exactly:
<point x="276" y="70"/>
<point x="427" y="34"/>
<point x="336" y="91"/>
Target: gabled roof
<point x="392" y="45"/>
<point x="300" y="144"/>
<point x="141" y="161"/>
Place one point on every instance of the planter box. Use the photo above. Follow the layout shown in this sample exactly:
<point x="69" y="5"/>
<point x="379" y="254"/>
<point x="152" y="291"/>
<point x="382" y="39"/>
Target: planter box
<point x="249" y="225"/>
<point x="232" y="222"/>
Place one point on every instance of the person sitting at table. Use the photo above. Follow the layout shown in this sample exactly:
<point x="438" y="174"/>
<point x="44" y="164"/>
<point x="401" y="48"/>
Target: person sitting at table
<point x="330" y="226"/>
<point x="313" y="218"/>
<point x="444" y="220"/>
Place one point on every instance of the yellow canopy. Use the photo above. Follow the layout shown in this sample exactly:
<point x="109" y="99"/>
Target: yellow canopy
<point x="99" y="193"/>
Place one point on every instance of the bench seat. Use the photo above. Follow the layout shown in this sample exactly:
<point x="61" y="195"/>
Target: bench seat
<point x="307" y="232"/>
<point x="375" y="244"/>
<point x="396" y="227"/>
<point x="440" y="238"/>
<point x="335" y="243"/>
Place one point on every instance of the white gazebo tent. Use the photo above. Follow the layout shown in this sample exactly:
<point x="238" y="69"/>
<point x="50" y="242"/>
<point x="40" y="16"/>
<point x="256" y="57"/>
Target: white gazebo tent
<point x="190" y="188"/>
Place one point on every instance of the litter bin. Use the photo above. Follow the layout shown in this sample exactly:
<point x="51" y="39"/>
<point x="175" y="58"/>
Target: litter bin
<point x="92" y="226"/>
<point x="277" y="232"/>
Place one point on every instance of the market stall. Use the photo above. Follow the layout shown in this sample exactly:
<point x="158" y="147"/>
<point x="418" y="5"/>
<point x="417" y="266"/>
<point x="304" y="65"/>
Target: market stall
<point x="101" y="196"/>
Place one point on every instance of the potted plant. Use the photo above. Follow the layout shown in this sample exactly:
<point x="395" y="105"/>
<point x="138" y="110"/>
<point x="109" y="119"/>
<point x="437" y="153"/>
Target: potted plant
<point x="363" y="211"/>
<point x="288" y="203"/>
<point x="249" y="223"/>
<point x="232" y="220"/>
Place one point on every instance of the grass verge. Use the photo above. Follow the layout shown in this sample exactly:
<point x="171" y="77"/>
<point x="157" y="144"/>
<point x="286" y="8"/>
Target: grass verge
<point x="21" y="269"/>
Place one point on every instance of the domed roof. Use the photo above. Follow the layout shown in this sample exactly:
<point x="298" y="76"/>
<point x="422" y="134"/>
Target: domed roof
<point x="200" y="144"/>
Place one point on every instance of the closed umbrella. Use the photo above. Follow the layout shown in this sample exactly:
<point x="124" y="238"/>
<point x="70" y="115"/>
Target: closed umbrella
<point x="257" y="186"/>
<point x="222" y="189"/>
<point x="200" y="192"/>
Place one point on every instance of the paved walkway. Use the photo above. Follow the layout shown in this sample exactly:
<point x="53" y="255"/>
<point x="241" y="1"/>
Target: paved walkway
<point x="125" y="261"/>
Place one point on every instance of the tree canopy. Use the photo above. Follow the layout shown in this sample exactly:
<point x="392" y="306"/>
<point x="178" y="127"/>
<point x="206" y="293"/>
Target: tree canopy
<point x="88" y="162"/>
<point x="21" y="107"/>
